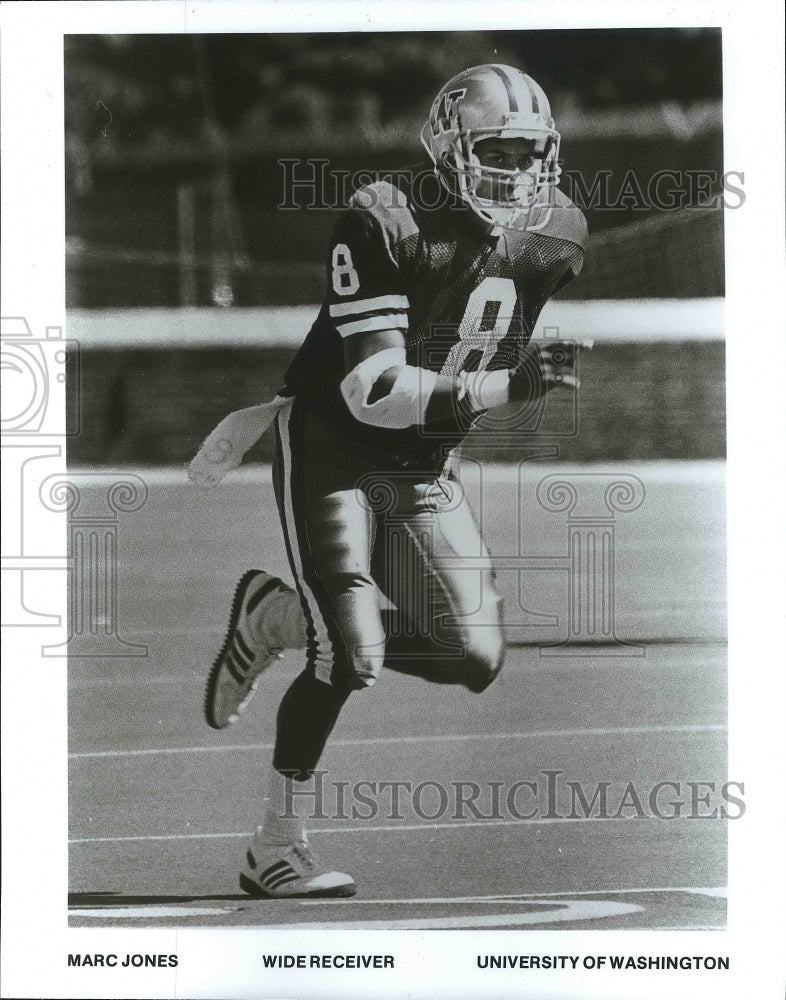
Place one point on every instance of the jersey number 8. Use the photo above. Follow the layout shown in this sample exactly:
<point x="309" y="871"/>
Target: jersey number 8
<point x="497" y="294"/>
<point x="345" y="277"/>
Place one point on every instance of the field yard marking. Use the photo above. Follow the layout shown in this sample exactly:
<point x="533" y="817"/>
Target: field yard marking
<point x="566" y="908"/>
<point x="502" y="897"/>
<point x="261" y="473"/>
<point x="383" y="740"/>
<point x="211" y="631"/>
<point x="460" y="825"/>
<point x="140" y="912"/>
<point x="559" y="912"/>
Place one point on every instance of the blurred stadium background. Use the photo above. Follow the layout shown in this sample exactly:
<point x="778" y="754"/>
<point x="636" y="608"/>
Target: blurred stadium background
<point x="189" y="288"/>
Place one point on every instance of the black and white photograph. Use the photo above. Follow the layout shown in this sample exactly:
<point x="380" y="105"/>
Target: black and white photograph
<point x="394" y="458"/>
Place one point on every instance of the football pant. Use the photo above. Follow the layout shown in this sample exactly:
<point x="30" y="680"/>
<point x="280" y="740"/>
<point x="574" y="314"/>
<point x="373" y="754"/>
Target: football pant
<point x="354" y="530"/>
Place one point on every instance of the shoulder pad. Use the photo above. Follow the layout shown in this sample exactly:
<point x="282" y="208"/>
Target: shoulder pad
<point x="566" y="222"/>
<point x="388" y="205"/>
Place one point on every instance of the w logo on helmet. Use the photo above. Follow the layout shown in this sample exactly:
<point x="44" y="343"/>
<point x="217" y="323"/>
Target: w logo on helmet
<point x="444" y="109"/>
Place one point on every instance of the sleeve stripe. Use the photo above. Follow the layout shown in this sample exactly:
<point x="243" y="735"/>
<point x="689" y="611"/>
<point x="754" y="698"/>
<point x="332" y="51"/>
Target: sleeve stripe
<point x="367" y="305"/>
<point x="387" y="322"/>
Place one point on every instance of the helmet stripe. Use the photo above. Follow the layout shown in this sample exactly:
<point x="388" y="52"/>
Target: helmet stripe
<point x="533" y="94"/>
<point x="514" y="104"/>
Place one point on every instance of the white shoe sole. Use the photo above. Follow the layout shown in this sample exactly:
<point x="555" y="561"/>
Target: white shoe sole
<point x="250" y="886"/>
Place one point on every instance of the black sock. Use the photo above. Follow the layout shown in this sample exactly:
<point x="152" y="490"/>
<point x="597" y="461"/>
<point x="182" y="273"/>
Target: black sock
<point x="306" y="717"/>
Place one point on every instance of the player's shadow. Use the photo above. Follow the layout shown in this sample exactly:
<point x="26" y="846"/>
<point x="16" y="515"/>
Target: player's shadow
<point x="78" y="899"/>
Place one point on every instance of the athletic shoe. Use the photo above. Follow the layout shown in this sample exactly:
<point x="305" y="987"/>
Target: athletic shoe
<point x="290" y="871"/>
<point x="245" y="654"/>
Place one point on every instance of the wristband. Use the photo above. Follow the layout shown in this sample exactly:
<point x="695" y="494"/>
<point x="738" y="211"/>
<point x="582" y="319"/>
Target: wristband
<point x="526" y="379"/>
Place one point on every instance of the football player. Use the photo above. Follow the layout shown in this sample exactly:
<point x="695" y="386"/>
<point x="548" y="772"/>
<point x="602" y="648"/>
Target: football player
<point x="435" y="281"/>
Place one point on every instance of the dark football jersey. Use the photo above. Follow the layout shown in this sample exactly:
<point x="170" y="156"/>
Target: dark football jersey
<point x="407" y="256"/>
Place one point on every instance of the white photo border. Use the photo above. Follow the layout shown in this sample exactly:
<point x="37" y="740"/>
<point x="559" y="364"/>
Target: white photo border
<point x="224" y="963"/>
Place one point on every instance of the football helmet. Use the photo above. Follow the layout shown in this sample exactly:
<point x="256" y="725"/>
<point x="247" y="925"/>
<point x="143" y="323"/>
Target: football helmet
<point x="501" y="102"/>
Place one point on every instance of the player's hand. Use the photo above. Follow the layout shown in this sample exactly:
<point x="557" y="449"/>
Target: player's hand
<point x="544" y="367"/>
<point x="558" y="365"/>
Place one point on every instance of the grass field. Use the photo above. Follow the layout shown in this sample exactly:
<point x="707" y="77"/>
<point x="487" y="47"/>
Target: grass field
<point x="160" y="804"/>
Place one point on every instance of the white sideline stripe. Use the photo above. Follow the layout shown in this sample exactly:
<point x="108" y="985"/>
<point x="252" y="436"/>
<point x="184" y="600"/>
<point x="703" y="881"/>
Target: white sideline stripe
<point x="634" y="320"/>
<point x="176" y="912"/>
<point x="568" y="912"/>
<point x="658" y="470"/>
<point x="721" y="891"/>
<point x="443" y="738"/>
<point x="383" y="925"/>
<point x="607" y="320"/>
<point x="404" y="827"/>
<point x="547" y="913"/>
<point x="501" y="897"/>
<point x="151" y="912"/>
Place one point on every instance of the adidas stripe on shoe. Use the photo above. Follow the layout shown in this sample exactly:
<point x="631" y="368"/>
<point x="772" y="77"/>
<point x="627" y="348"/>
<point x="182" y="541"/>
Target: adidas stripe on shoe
<point x="289" y="871"/>
<point x="245" y="653"/>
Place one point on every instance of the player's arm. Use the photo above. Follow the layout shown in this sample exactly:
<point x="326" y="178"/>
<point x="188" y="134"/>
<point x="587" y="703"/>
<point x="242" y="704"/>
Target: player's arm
<point x="368" y="305"/>
<point x="381" y="389"/>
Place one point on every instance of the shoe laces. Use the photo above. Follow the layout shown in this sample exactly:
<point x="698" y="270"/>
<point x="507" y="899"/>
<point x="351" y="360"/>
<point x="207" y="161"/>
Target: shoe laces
<point x="303" y="851"/>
